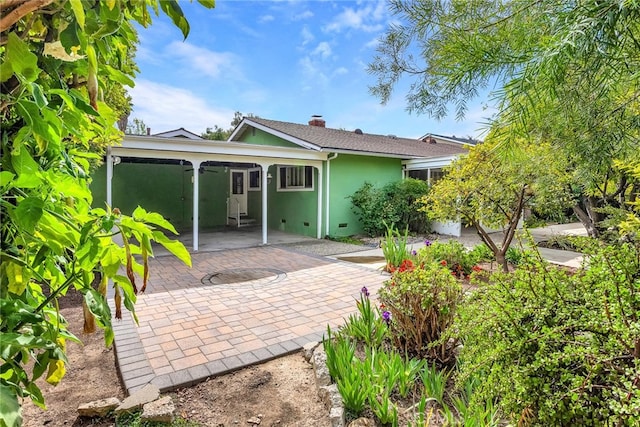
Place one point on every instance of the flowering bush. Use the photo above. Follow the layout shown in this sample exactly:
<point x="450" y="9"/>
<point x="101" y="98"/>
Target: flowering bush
<point x="454" y="256"/>
<point x="421" y="302"/>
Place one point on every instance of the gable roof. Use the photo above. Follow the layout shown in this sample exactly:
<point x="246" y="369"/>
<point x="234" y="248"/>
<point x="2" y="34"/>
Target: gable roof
<point x="459" y="140"/>
<point x="336" y="140"/>
<point x="179" y="133"/>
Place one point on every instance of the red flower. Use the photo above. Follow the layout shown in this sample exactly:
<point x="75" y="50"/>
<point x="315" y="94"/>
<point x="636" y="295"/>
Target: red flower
<point x="407" y="265"/>
<point x="476" y="268"/>
<point x="443" y="263"/>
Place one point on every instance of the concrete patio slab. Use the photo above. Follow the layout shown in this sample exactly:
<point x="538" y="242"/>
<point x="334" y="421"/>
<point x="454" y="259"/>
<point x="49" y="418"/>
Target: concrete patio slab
<point x="190" y="328"/>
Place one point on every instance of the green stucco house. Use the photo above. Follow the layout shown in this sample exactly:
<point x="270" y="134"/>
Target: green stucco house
<point x="283" y="176"/>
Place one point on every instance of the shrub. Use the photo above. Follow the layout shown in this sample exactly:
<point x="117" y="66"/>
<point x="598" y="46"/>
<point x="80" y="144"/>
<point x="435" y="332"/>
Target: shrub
<point x="422" y="303"/>
<point x="454" y="256"/>
<point x="395" y="203"/>
<point x="555" y="348"/>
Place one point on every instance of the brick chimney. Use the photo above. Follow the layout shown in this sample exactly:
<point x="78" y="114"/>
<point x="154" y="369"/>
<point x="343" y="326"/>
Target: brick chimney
<point x="317" y="120"/>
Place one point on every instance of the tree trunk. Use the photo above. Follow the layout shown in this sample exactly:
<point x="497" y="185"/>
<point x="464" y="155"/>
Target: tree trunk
<point x="586" y="216"/>
<point x="501" y="259"/>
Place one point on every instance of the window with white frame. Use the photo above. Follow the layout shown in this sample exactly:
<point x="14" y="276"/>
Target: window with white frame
<point x="295" y="178"/>
<point x="431" y="175"/>
<point x="254" y="179"/>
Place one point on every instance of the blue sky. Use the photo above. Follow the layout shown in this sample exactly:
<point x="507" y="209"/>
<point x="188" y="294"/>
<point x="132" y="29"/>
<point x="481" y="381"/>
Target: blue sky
<point x="280" y="60"/>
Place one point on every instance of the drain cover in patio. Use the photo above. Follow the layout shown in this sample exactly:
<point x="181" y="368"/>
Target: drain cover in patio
<point x="253" y="276"/>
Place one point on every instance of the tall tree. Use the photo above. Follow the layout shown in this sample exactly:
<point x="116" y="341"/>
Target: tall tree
<point x="574" y="61"/>
<point x="220" y="134"/>
<point x="58" y="57"/>
<point x="488" y="191"/>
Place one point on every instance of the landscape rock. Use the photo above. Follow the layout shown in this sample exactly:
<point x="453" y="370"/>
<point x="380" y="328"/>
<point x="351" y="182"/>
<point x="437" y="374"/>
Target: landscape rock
<point x="146" y="394"/>
<point x="98" y="408"/>
<point x="308" y="350"/>
<point x="362" y="422"/>
<point x="330" y="396"/>
<point x="336" y="416"/>
<point x="254" y="421"/>
<point x="320" y="367"/>
<point x="160" y="411"/>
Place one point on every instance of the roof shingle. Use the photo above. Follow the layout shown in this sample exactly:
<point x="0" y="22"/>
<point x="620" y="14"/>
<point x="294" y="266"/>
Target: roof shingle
<point x="329" y="139"/>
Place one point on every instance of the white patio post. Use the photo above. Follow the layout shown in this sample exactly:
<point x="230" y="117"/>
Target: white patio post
<point x="319" y="227"/>
<point x="109" y="161"/>
<point x="265" y="172"/>
<point x="196" y="200"/>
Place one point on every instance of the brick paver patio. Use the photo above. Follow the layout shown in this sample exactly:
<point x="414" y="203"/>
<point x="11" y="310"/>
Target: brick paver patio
<point x="272" y="302"/>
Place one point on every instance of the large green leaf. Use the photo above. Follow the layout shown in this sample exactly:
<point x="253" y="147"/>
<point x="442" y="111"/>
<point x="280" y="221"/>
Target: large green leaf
<point x="38" y="95"/>
<point x="88" y="254"/>
<point x="173" y="246"/>
<point x="78" y="11"/>
<point x="19" y="60"/>
<point x="29" y="212"/>
<point x="10" y="411"/>
<point x="23" y="163"/>
<point x="5" y="178"/>
<point x="119" y="76"/>
<point x="154" y="218"/>
<point x="208" y="3"/>
<point x="173" y="11"/>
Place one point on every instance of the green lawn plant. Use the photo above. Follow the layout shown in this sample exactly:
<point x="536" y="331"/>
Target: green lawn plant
<point x="59" y="58"/>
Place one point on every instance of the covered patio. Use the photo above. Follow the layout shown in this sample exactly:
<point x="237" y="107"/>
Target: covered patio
<point x="198" y="152"/>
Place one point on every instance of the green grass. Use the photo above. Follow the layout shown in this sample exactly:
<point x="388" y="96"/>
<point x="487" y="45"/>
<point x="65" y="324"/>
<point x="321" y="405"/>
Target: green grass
<point x="345" y="239"/>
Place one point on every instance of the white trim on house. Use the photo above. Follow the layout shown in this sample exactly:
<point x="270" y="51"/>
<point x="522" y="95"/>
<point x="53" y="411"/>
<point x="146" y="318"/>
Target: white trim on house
<point x="372" y="154"/>
<point x="178" y="133"/>
<point x="431" y="163"/>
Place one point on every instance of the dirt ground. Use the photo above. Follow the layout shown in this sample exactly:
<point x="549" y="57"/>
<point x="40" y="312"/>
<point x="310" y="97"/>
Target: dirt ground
<point x="280" y="392"/>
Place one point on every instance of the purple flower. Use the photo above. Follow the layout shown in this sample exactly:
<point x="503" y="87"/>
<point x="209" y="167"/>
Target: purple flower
<point x="414" y="252"/>
<point x="365" y="291"/>
<point x="427" y="242"/>
<point x="386" y="316"/>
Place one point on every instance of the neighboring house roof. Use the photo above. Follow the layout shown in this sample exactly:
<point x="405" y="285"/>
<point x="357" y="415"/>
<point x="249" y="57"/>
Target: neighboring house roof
<point x="468" y="141"/>
<point x="335" y="140"/>
<point x="179" y="133"/>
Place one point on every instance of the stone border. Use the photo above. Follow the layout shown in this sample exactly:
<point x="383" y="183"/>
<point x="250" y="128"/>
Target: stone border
<point x="327" y="390"/>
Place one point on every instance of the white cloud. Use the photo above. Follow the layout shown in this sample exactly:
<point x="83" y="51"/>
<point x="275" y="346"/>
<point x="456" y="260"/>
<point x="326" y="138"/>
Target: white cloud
<point x="266" y="18"/>
<point x="209" y="63"/>
<point x="307" y="36"/>
<point x="162" y="107"/>
<point x="340" y="71"/>
<point x="304" y="15"/>
<point x="368" y="18"/>
<point x="323" y="49"/>
<point x="312" y="73"/>
<point x="373" y="43"/>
